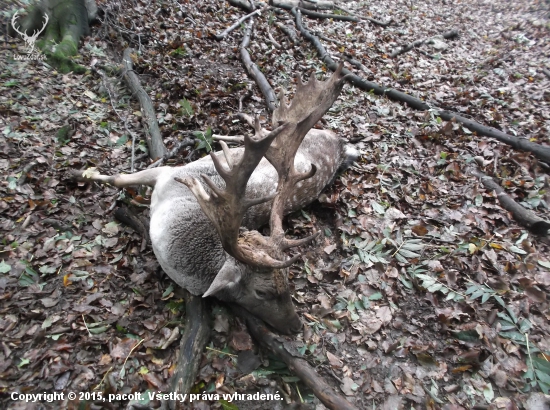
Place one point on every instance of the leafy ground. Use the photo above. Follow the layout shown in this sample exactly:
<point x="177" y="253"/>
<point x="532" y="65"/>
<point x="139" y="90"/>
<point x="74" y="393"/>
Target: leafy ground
<point x="423" y="293"/>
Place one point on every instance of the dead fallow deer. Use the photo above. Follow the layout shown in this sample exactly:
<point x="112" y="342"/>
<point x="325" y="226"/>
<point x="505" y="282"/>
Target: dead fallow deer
<point x="196" y="232"/>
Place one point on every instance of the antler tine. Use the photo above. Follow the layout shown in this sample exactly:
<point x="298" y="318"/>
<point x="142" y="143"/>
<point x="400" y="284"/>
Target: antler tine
<point x="226" y="207"/>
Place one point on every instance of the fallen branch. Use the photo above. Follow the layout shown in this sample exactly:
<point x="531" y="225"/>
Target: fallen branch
<point x="193" y="341"/>
<point x="129" y="218"/>
<point x="540" y="151"/>
<point x="318" y="15"/>
<point x="153" y="137"/>
<point x="401" y="50"/>
<point x="186" y="142"/>
<point x="25" y="171"/>
<point x="254" y="71"/>
<point x="290" y="4"/>
<point x="289" y="32"/>
<point x="546" y="72"/>
<point x="523" y="216"/>
<point x="228" y="30"/>
<point x="300" y="367"/>
<point x="374" y="21"/>
<point x="244" y="5"/>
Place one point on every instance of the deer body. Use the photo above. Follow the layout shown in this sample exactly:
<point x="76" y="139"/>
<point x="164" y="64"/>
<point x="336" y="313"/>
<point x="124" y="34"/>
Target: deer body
<point x="195" y="234"/>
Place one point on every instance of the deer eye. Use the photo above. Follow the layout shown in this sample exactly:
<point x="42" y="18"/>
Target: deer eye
<point x="262" y="294"/>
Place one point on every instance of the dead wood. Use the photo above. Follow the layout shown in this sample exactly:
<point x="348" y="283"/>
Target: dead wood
<point x="186" y="142"/>
<point x="25" y="171"/>
<point x="228" y="30"/>
<point x="300" y="367"/>
<point x="129" y="218"/>
<point x="193" y="341"/>
<point x="523" y="216"/>
<point x="289" y="31"/>
<point x="408" y="47"/>
<point x="318" y="15"/>
<point x="153" y="137"/>
<point x="253" y="70"/>
<point x="546" y="72"/>
<point x="540" y="151"/>
<point x="290" y="4"/>
<point x="374" y="21"/>
<point x="244" y="5"/>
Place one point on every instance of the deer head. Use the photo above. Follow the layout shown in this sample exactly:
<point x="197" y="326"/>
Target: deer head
<point x="260" y="260"/>
<point x="30" y="40"/>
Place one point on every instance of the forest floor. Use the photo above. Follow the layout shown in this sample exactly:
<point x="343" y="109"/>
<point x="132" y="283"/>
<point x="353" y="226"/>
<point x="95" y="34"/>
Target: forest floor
<point x="423" y="292"/>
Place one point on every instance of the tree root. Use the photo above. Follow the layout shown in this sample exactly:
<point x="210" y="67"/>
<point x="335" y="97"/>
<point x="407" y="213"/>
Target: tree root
<point x="254" y="71"/>
<point x="540" y="151"/>
<point x="300" y="367"/>
<point x="401" y="50"/>
<point x="523" y="216"/>
<point x="156" y="146"/>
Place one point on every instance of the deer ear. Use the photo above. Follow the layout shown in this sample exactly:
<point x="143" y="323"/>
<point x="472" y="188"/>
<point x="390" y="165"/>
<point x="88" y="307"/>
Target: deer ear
<point x="229" y="275"/>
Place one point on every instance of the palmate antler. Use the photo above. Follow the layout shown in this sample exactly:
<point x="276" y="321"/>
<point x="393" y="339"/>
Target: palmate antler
<point x="226" y="207"/>
<point x="30" y="40"/>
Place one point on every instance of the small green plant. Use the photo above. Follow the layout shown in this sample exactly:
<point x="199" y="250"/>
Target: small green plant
<point x="204" y="140"/>
<point x="186" y="109"/>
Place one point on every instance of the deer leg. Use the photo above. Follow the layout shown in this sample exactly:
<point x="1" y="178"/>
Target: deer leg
<point x="147" y="177"/>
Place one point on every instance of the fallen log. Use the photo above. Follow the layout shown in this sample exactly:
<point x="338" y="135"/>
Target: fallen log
<point x="523" y="216"/>
<point x="153" y="137"/>
<point x="542" y="152"/>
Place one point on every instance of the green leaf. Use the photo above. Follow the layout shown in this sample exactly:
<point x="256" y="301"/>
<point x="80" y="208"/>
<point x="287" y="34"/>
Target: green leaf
<point x="376" y="296"/>
<point x="524" y="326"/>
<point x="485" y="298"/>
<point x="435" y="287"/>
<point x="477" y="294"/>
<point x="122" y="140"/>
<point x="513" y="335"/>
<point x="12" y="182"/>
<point x="541" y="364"/>
<point x="488" y="393"/>
<point x="543" y="377"/>
<point x="23" y="362"/>
<point x="407" y="283"/>
<point x="499" y="300"/>
<point x="409" y="245"/>
<point x="546" y="264"/>
<point x="377" y="207"/>
<point x="4" y="267"/>
<point x="168" y="290"/>
<point x="186" y="108"/>
<point x="408" y="254"/>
